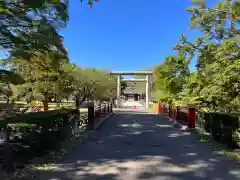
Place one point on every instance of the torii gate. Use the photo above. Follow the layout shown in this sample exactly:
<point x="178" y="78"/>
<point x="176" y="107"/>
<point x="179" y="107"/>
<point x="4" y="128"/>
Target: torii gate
<point x="145" y="73"/>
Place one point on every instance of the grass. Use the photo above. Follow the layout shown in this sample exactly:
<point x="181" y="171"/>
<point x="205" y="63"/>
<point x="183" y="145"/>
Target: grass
<point x="49" y="104"/>
<point x="16" y="102"/>
<point x="231" y="154"/>
<point x="83" y="110"/>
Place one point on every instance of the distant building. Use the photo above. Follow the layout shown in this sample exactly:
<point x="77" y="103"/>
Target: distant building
<point x="132" y="95"/>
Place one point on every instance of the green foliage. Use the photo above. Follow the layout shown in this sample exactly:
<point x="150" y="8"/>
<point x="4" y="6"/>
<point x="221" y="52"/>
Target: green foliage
<point x="7" y="81"/>
<point x="170" y="76"/>
<point x="50" y="76"/>
<point x="38" y="68"/>
<point x="217" y="22"/>
<point x="92" y="84"/>
<point x="10" y="77"/>
<point x="31" y="25"/>
<point x="90" y="2"/>
<point x="41" y="73"/>
<point x="223" y="127"/>
<point x="27" y="25"/>
<point x="214" y="86"/>
<point x="35" y="133"/>
<point x="29" y="30"/>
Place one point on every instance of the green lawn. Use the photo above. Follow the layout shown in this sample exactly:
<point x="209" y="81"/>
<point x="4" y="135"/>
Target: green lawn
<point x="49" y="104"/>
<point x="52" y="106"/>
<point x="16" y="102"/>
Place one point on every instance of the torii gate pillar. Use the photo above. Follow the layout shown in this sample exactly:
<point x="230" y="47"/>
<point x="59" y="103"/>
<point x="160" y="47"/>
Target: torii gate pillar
<point x="118" y="90"/>
<point x="145" y="73"/>
<point x="147" y="91"/>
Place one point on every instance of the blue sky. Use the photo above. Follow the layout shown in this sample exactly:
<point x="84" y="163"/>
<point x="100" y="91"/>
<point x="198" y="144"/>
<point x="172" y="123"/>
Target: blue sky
<point x="125" y="34"/>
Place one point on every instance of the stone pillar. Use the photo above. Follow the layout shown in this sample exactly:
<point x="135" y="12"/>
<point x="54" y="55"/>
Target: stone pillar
<point x="118" y="90"/>
<point x="147" y="91"/>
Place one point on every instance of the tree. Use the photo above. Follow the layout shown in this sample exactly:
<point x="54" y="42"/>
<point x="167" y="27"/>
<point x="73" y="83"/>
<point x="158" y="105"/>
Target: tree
<point x="106" y="86"/>
<point x="215" y="83"/>
<point x="90" y="2"/>
<point x="7" y="80"/>
<point x="92" y="84"/>
<point x="41" y="73"/>
<point x="29" y="31"/>
<point x="217" y="22"/>
<point x="20" y="18"/>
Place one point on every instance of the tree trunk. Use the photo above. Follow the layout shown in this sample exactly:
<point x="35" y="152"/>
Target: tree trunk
<point x="8" y="100"/>
<point x="13" y="101"/>
<point x="77" y="102"/>
<point x="82" y="100"/>
<point x="58" y="101"/>
<point x="55" y="98"/>
<point x="45" y="102"/>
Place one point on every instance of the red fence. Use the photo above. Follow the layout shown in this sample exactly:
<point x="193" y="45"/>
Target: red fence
<point x="184" y="115"/>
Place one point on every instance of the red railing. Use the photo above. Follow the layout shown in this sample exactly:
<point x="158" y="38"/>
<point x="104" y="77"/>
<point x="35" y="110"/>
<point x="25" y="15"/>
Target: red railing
<point x="184" y="115"/>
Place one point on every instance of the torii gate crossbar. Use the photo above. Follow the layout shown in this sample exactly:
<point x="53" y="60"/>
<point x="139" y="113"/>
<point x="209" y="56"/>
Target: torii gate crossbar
<point x="145" y="73"/>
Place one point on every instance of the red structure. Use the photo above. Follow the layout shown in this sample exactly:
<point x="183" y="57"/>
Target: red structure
<point x="159" y="108"/>
<point x="184" y="115"/>
<point x="134" y="107"/>
<point x="191" y="116"/>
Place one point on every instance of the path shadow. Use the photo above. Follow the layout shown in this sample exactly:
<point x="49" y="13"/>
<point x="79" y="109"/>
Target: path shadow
<point x="136" y="146"/>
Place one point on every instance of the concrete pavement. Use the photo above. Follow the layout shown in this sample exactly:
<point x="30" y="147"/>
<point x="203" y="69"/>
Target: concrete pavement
<point x="139" y="146"/>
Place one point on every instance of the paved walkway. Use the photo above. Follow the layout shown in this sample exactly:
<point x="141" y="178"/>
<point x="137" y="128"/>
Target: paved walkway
<point x="134" y="146"/>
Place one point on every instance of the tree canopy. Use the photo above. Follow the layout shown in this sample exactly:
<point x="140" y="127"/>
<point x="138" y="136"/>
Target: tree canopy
<point x="216" y="82"/>
<point x="28" y="25"/>
<point x="31" y="25"/>
<point x="38" y="67"/>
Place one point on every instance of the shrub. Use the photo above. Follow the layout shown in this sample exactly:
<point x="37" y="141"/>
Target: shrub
<point x="37" y="132"/>
<point x="223" y="127"/>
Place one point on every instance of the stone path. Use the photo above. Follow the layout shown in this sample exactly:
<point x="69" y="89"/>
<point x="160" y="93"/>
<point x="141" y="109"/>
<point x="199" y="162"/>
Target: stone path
<point x="135" y="146"/>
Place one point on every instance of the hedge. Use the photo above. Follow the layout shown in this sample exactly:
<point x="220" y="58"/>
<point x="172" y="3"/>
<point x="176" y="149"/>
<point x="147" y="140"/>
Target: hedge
<point x="223" y="127"/>
<point x="35" y="133"/>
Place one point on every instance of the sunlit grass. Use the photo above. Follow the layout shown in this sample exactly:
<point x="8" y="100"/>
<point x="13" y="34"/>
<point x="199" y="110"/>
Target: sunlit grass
<point x="40" y="103"/>
<point x="231" y="154"/>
